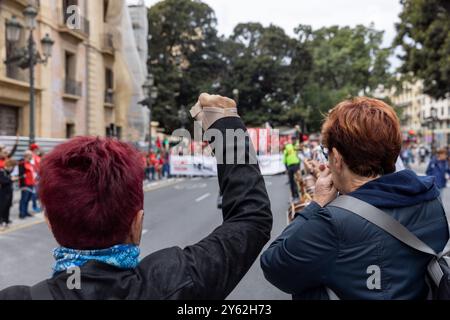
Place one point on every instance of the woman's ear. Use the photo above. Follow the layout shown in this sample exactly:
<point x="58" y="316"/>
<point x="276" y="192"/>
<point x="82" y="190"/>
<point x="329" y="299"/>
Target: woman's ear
<point x="136" y="228"/>
<point x="337" y="160"/>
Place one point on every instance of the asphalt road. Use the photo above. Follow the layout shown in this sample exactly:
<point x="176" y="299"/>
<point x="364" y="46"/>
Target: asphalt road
<point x="177" y="215"/>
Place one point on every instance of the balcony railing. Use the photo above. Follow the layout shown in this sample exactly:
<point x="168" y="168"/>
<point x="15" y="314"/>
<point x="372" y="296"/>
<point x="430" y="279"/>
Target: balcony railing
<point x="72" y="87"/>
<point x="78" y="24"/>
<point x="109" y="96"/>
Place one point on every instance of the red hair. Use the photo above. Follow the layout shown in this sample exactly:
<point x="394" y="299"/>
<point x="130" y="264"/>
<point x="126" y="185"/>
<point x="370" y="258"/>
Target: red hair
<point x="366" y="132"/>
<point x="91" y="189"/>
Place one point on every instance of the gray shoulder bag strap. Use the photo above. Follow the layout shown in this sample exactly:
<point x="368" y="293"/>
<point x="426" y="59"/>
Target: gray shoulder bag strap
<point x="394" y="228"/>
<point x="41" y="291"/>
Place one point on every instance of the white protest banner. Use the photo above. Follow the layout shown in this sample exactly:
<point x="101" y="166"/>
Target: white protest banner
<point x="207" y="165"/>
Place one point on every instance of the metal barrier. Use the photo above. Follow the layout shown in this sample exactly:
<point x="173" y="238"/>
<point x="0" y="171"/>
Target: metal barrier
<point x="46" y="145"/>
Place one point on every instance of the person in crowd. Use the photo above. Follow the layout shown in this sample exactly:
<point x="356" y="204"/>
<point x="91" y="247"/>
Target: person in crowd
<point x="6" y="193"/>
<point x="36" y="162"/>
<point x="292" y="163"/>
<point x="165" y="164"/>
<point x="406" y="156"/>
<point x="439" y="168"/>
<point x="166" y="144"/>
<point x="159" y="165"/>
<point x="153" y="161"/>
<point x="5" y="155"/>
<point x="144" y="161"/>
<point x="158" y="143"/>
<point x="91" y="189"/>
<point x="329" y="248"/>
<point x="422" y="154"/>
<point x="26" y="183"/>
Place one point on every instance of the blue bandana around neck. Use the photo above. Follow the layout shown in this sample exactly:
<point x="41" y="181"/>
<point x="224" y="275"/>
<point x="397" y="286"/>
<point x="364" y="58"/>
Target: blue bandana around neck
<point x="120" y="256"/>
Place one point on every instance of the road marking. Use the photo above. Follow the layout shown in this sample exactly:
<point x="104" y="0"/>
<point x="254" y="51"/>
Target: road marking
<point x="203" y="197"/>
<point x="22" y="226"/>
<point x="191" y="187"/>
<point x="41" y="220"/>
<point x="164" y="184"/>
<point x="144" y="231"/>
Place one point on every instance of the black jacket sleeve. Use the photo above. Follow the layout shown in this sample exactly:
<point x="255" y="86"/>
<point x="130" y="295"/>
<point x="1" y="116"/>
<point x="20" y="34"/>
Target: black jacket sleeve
<point x="217" y="263"/>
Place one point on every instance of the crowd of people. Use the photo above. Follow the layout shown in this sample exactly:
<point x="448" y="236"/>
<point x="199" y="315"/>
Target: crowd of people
<point x="157" y="161"/>
<point x="25" y="173"/>
<point x="328" y="249"/>
<point x="331" y="249"/>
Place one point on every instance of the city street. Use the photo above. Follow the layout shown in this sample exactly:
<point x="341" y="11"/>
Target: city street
<point x="177" y="215"/>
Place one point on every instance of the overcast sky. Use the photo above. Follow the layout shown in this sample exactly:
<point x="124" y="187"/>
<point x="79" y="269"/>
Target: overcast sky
<point x="290" y="13"/>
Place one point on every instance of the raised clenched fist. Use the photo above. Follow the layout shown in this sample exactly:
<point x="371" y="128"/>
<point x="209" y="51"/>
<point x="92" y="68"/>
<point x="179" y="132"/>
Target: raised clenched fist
<point x="211" y="108"/>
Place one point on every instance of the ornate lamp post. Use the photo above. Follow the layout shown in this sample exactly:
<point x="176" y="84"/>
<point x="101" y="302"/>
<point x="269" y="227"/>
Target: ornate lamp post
<point x="29" y="57"/>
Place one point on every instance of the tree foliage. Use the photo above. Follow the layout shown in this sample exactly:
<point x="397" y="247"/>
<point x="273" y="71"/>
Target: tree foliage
<point x="424" y="36"/>
<point x="276" y="78"/>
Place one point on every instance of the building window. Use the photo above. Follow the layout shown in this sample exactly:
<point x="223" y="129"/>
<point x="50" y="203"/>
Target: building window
<point x="71" y="86"/>
<point x="69" y="64"/>
<point x="109" y="86"/>
<point x="9" y="120"/>
<point x="105" y="10"/>
<point x="66" y="5"/>
<point x="70" y="130"/>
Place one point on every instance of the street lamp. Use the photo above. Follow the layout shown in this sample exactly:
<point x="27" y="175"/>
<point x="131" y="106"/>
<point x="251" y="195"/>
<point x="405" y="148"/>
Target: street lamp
<point x="151" y="94"/>
<point x="433" y="119"/>
<point x="182" y="116"/>
<point x="13" y="30"/>
<point x="236" y="95"/>
<point x="30" y="13"/>
<point x="28" y="58"/>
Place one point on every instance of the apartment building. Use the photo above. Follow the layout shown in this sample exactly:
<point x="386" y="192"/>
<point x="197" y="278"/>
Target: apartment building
<point x="86" y="86"/>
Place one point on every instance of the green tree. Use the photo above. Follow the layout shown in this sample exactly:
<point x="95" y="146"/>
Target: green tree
<point x="346" y="62"/>
<point x="262" y="61"/>
<point x="424" y="36"/>
<point x="184" y="55"/>
<point x="275" y="78"/>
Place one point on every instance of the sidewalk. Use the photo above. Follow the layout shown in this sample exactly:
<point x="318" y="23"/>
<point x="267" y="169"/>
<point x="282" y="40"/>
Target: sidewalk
<point x="39" y="217"/>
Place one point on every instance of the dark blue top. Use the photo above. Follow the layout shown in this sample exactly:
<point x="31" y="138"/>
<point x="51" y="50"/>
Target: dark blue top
<point x="438" y="169"/>
<point x="334" y="248"/>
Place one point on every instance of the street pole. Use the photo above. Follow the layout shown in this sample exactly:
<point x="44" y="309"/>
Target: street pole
<point x="150" y="123"/>
<point x="32" y="89"/>
<point x="433" y="138"/>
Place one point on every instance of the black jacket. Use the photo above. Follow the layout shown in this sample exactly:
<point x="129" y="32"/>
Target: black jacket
<point x="6" y="189"/>
<point x="6" y="184"/>
<point x="209" y="269"/>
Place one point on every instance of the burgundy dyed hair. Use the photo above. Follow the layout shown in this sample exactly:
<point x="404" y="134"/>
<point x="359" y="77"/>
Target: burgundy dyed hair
<point x="91" y="189"/>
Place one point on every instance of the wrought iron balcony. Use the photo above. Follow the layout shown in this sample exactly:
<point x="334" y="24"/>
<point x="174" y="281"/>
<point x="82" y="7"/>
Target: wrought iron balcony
<point x="109" y="96"/>
<point x="72" y="87"/>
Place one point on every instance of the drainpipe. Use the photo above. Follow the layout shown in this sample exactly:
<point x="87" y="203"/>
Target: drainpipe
<point x="87" y="95"/>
